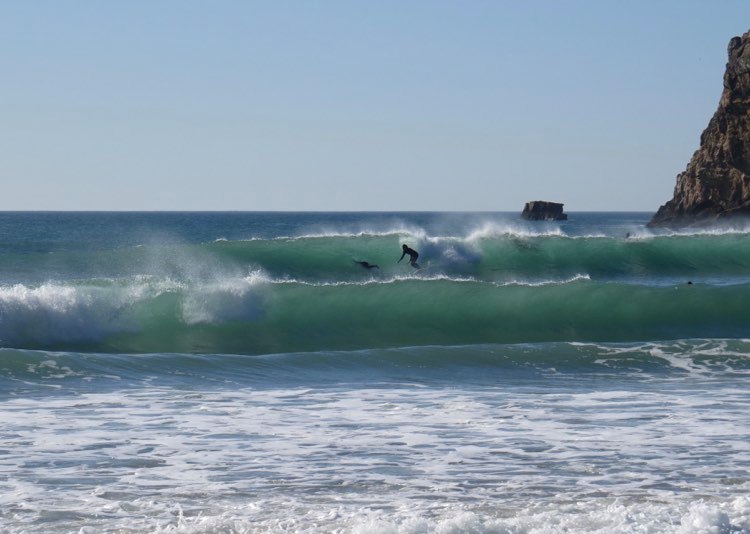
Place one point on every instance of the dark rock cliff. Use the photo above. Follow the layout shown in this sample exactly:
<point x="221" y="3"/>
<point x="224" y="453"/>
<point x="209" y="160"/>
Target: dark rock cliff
<point x="716" y="182"/>
<point x="541" y="210"/>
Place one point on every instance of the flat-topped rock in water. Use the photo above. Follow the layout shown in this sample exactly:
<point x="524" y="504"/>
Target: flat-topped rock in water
<point x="541" y="210"/>
<point x="716" y="182"/>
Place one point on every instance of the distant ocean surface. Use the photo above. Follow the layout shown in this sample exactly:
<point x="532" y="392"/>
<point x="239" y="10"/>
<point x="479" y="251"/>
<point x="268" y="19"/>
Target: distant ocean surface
<point x="241" y="372"/>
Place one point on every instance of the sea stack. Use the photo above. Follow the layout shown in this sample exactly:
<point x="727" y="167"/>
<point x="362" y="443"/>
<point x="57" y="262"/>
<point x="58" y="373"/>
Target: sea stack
<point x="541" y="210"/>
<point x="716" y="183"/>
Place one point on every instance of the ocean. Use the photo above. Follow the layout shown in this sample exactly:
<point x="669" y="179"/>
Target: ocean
<point x="241" y="372"/>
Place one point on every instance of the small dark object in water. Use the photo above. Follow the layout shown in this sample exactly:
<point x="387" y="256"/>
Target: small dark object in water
<point x="367" y="265"/>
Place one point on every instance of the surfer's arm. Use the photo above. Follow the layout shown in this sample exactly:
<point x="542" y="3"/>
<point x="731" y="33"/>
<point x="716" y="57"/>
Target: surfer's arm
<point x="401" y="258"/>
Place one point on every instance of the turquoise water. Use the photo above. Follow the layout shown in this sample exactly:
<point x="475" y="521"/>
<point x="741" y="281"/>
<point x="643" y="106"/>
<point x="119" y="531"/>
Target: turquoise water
<point x="240" y="372"/>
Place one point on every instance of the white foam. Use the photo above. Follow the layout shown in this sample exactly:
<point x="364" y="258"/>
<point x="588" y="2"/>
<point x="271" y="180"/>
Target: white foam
<point x="417" y="234"/>
<point x="418" y="277"/>
<point x="226" y="299"/>
<point x="493" y="229"/>
<point x="66" y="312"/>
<point x="414" y="233"/>
<point x="55" y="312"/>
<point x="415" y="276"/>
<point x="537" y="283"/>
<point x="737" y="228"/>
<point x="381" y="458"/>
<point x="688" y="356"/>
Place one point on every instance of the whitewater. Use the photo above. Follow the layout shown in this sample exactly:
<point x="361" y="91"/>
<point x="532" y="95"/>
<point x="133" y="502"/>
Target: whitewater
<point x="241" y="372"/>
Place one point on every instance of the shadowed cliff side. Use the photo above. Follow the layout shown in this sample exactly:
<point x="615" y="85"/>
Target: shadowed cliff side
<point x="716" y="182"/>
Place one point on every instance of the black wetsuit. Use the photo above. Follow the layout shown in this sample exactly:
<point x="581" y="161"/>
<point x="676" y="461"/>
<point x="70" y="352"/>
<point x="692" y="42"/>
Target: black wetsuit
<point x="413" y="255"/>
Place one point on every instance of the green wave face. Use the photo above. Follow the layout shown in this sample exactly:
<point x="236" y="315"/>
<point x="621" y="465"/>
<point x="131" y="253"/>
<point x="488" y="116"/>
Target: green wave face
<point x="253" y="315"/>
<point x="499" y="258"/>
<point x="308" y="293"/>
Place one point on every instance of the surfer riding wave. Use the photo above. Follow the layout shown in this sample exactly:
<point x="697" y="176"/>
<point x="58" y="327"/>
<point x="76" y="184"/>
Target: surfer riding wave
<point x="413" y="255"/>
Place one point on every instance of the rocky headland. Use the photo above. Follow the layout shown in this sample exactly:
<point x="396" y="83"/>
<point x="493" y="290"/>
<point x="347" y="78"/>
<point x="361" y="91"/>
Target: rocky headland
<point x="716" y="182"/>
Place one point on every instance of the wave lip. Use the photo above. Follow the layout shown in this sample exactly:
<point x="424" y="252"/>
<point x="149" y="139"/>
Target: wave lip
<point x="71" y="314"/>
<point x="225" y="300"/>
<point x="58" y="313"/>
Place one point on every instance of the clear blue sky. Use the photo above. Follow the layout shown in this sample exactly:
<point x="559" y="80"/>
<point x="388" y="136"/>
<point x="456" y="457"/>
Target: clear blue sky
<point x="355" y="105"/>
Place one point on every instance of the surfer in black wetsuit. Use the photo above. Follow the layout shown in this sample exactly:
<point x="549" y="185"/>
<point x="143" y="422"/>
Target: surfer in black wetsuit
<point x="413" y="255"/>
<point x="366" y="265"/>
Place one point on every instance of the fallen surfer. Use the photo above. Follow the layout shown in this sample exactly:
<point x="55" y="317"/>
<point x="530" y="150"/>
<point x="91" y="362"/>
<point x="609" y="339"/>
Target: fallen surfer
<point x="366" y="265"/>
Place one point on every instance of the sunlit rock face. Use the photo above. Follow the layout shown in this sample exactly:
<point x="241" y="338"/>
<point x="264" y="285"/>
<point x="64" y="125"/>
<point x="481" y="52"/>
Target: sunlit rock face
<point x="716" y="182"/>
